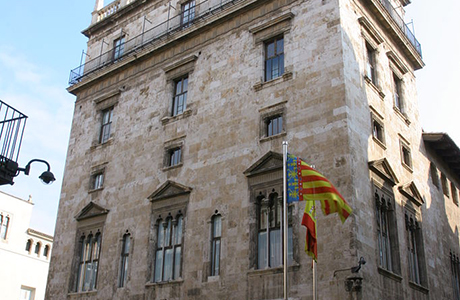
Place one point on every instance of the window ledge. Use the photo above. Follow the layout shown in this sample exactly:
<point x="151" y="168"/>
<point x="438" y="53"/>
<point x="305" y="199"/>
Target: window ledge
<point x="418" y="287"/>
<point x="214" y="278"/>
<point x="389" y="274"/>
<point x="257" y="272"/>
<point x="272" y="137"/>
<point x="95" y="190"/>
<point x="261" y="85"/>
<point x="73" y="294"/>
<point x="379" y="142"/>
<point x="172" y="167"/>
<point x="374" y="87"/>
<point x="402" y="115"/>
<point x="181" y="116"/>
<point x="102" y="145"/>
<point x="408" y="168"/>
<point x="164" y="283"/>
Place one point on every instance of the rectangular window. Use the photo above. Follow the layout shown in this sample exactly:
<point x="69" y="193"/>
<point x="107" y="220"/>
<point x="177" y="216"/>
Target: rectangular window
<point x="174" y="157"/>
<point x="434" y="175"/>
<point x="97" y="181"/>
<point x="169" y="249"/>
<point x="27" y="293"/>
<point x="370" y="64"/>
<point x="188" y="13"/>
<point x="90" y="248"/>
<point x="180" y="96"/>
<point x="454" y="192"/>
<point x="445" y="185"/>
<point x="124" y="260"/>
<point x="269" y="240"/>
<point x="274" y="125"/>
<point x="118" y="47"/>
<point x="106" y="125"/>
<point x="4" y="224"/>
<point x="378" y="131"/>
<point x="406" y="157"/>
<point x="386" y="231"/>
<point x="274" y="58"/>
<point x="398" y="101"/>
<point x="215" y="244"/>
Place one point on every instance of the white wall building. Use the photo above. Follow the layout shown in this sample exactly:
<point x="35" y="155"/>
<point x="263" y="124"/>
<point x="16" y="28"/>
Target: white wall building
<point x="24" y="252"/>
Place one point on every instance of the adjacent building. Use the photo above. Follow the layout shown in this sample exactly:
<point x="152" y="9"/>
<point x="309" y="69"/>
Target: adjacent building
<point x="173" y="178"/>
<point x="24" y="252"/>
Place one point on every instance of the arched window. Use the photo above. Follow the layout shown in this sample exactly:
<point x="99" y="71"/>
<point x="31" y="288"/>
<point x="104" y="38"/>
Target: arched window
<point x="37" y="248"/>
<point x="46" y="251"/>
<point x="89" y="261"/>
<point x="124" y="259"/>
<point x="215" y="243"/>
<point x="270" y="237"/>
<point x="29" y="245"/>
<point x="169" y="249"/>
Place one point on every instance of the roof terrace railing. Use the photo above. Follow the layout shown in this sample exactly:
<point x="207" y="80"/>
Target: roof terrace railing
<point x="11" y="131"/>
<point x="400" y="22"/>
<point x="150" y="37"/>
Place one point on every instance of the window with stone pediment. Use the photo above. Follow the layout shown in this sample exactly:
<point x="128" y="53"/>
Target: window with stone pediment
<point x="169" y="206"/>
<point x="86" y="262"/>
<point x="89" y="254"/>
<point x="168" y="252"/>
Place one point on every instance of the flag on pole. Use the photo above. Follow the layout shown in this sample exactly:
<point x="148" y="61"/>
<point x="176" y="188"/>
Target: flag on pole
<point x="305" y="183"/>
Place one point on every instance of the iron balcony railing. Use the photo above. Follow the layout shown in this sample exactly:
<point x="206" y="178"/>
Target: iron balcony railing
<point x="11" y="131"/>
<point x="153" y="36"/>
<point x="400" y="22"/>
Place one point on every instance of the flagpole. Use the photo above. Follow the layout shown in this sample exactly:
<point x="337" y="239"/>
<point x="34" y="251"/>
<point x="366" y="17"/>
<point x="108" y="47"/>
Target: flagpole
<point x="285" y="223"/>
<point x="315" y="275"/>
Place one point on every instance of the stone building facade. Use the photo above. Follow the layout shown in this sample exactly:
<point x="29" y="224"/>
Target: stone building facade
<point x="174" y="175"/>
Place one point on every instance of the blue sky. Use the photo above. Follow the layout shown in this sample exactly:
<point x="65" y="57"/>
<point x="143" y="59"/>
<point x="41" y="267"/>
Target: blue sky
<point x="41" y="42"/>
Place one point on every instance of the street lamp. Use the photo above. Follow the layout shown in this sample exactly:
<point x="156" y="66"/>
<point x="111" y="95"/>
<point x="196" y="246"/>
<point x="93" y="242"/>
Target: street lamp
<point x="46" y="177"/>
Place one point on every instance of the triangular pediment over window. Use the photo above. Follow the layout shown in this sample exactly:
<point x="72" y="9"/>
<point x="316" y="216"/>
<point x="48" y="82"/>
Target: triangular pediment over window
<point x="383" y="169"/>
<point x="91" y="210"/>
<point x="410" y="190"/>
<point x="169" y="189"/>
<point x="269" y="162"/>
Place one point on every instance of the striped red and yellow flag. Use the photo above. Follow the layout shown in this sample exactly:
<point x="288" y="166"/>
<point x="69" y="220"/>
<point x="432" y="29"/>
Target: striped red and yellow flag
<point x="306" y="184"/>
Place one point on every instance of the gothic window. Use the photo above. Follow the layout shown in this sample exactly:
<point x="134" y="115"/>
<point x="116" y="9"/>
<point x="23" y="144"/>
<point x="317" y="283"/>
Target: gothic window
<point x="274" y="58"/>
<point x="124" y="260"/>
<point x="168" y="252"/>
<point x="216" y="244"/>
<point x="386" y="231"/>
<point x="455" y="271"/>
<point x="90" y="248"/>
<point x="412" y="231"/>
<point x="269" y="236"/>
